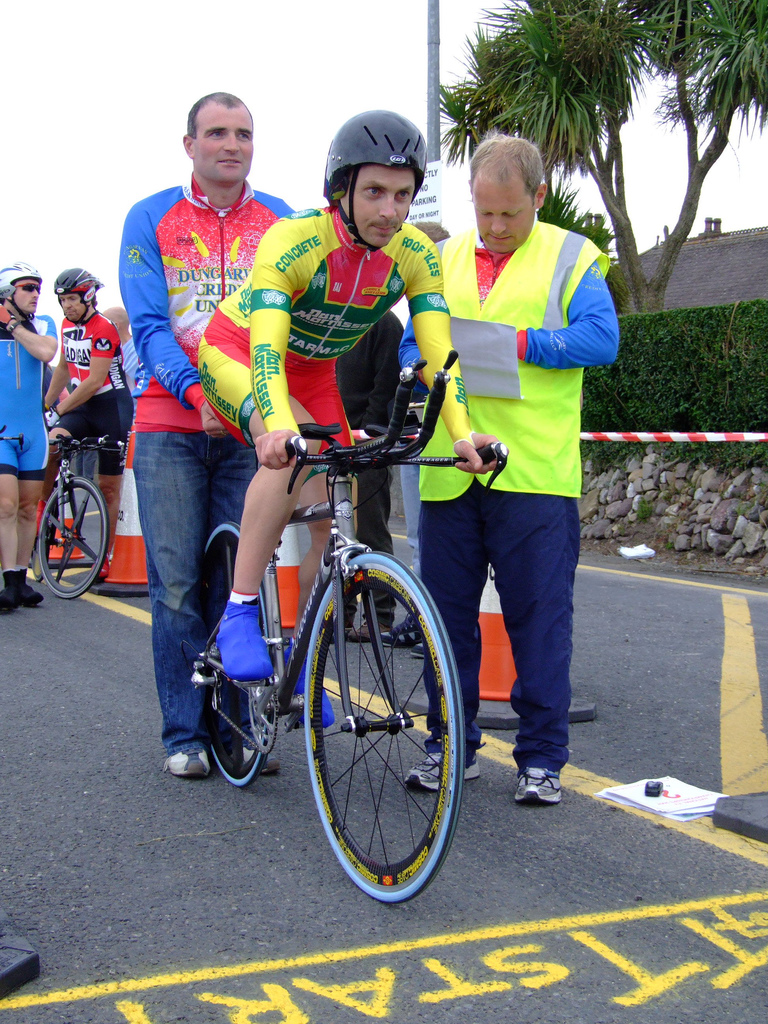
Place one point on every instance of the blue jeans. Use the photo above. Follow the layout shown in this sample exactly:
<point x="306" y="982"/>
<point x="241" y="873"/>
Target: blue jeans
<point x="187" y="484"/>
<point x="532" y="542"/>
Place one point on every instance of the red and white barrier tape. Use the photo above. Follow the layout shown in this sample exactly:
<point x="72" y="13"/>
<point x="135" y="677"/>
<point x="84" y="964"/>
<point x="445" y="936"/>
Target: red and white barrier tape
<point x="676" y="438"/>
<point x="360" y="435"/>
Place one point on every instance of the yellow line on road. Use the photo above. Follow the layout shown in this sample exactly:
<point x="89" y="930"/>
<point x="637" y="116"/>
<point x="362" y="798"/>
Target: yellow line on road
<point x="339" y="956"/>
<point x="743" y="743"/>
<point x="670" y="579"/>
<point x="110" y="604"/>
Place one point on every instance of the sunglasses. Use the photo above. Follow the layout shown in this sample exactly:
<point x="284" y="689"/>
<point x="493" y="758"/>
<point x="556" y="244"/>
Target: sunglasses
<point x="29" y="288"/>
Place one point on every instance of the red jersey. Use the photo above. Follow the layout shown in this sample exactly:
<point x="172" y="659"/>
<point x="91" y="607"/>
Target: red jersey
<point x="96" y="337"/>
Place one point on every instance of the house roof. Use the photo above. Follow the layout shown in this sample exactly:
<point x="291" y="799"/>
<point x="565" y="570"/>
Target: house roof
<point x="715" y="268"/>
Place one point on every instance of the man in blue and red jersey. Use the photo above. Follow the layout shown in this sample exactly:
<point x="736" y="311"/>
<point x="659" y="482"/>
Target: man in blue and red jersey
<point x="183" y="250"/>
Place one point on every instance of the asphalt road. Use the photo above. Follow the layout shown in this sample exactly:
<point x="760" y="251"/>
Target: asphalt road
<point x="154" y="899"/>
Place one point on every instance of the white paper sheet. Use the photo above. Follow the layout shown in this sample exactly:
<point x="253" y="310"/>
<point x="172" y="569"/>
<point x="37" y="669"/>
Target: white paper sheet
<point x="679" y="800"/>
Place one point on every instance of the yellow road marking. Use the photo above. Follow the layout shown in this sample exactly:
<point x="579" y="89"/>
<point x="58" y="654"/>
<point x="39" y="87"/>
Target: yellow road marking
<point x="111" y="604"/>
<point x="649" y="986"/>
<point x="746" y="960"/>
<point x="380" y="988"/>
<point x="450" y="939"/>
<point x="458" y="987"/>
<point x="133" y="1012"/>
<point x="743" y="743"/>
<point x="720" y="588"/>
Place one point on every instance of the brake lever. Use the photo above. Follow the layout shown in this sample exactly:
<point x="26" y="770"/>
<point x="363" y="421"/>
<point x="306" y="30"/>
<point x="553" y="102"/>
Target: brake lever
<point x="498" y="451"/>
<point x="296" y="447"/>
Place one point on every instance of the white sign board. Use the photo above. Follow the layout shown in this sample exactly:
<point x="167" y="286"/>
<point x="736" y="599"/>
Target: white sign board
<point x="428" y="204"/>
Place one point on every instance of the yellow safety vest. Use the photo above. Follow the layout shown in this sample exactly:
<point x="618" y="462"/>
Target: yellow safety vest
<point x="542" y="429"/>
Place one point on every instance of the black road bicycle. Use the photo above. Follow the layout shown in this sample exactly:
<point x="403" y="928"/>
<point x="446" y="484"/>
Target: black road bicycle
<point x="74" y="530"/>
<point x="390" y="839"/>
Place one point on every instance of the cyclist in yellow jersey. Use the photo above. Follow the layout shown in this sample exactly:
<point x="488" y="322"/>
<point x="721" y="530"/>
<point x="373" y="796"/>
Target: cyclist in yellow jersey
<point x="320" y="280"/>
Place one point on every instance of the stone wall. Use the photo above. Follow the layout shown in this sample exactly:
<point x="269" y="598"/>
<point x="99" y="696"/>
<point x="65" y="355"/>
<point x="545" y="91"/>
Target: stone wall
<point x="683" y="508"/>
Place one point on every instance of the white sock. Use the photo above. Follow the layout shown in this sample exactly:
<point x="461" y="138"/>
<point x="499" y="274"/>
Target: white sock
<point x="237" y="598"/>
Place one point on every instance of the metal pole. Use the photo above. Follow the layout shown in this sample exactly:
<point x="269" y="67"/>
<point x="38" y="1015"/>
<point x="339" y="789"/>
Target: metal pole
<point x="433" y="81"/>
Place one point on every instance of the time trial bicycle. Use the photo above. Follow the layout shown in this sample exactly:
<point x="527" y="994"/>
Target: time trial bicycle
<point x="72" y="540"/>
<point x="364" y="705"/>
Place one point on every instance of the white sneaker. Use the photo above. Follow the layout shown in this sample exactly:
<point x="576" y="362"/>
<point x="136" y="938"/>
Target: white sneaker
<point x="426" y="774"/>
<point x="537" y="786"/>
<point x="188" y="766"/>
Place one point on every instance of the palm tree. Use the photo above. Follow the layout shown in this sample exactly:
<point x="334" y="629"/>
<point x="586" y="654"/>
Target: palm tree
<point x="567" y="75"/>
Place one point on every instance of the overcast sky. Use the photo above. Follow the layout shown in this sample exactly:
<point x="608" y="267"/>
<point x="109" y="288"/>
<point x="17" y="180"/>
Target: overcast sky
<point x="96" y="99"/>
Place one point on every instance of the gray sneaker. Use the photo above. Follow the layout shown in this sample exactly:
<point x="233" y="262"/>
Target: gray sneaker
<point x="426" y="773"/>
<point x="188" y="766"/>
<point x="537" y="786"/>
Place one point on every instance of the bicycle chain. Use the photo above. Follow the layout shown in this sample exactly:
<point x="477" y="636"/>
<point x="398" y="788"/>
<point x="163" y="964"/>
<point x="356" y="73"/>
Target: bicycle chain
<point x="245" y="736"/>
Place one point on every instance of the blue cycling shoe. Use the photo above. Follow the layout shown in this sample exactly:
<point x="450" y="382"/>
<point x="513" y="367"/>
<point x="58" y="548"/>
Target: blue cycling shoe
<point x="244" y="653"/>
<point x="328" y="716"/>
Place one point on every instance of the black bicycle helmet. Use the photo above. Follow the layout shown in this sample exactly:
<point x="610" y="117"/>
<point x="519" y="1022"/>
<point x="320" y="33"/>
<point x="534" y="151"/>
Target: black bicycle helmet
<point x="375" y="137"/>
<point x="78" y="280"/>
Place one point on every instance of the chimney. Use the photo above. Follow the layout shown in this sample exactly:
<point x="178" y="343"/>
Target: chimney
<point x="716" y="223"/>
<point x="707" y="225"/>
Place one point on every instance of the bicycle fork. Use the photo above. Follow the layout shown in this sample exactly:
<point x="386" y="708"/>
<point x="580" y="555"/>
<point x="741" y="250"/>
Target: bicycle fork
<point x="359" y="724"/>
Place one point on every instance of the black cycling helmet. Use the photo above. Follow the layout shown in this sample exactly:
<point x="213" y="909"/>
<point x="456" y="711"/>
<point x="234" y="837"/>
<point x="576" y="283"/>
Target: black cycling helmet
<point x="375" y="137"/>
<point x="77" y="280"/>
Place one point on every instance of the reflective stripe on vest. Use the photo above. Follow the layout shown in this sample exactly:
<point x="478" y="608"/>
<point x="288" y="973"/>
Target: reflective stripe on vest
<point x="542" y="430"/>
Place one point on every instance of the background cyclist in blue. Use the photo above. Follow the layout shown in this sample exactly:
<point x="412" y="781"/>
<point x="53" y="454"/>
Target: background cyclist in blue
<point x="25" y="348"/>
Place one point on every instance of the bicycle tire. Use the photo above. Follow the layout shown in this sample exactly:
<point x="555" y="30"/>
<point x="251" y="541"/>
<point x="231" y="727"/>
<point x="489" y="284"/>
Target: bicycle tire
<point x="390" y="840"/>
<point x="237" y="763"/>
<point x="73" y="537"/>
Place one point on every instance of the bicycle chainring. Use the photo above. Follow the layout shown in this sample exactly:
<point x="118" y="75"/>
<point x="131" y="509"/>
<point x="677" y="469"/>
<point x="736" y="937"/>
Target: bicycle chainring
<point x="264" y="721"/>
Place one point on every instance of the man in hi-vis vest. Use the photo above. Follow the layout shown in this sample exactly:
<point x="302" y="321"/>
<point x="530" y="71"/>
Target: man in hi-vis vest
<point x="529" y="309"/>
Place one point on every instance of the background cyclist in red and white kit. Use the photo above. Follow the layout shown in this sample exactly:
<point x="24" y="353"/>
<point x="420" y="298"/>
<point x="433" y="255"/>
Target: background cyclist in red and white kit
<point x="99" y="403"/>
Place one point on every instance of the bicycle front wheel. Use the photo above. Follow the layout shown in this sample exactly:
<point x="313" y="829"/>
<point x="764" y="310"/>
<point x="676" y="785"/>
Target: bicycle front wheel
<point x="74" y="533"/>
<point x="391" y="840"/>
<point x="226" y="711"/>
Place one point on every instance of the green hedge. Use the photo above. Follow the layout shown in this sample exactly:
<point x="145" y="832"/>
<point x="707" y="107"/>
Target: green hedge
<point x="700" y="369"/>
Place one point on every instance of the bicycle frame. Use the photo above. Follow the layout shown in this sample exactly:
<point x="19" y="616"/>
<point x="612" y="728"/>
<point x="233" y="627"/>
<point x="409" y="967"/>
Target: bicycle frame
<point x="340" y="548"/>
<point x="72" y="499"/>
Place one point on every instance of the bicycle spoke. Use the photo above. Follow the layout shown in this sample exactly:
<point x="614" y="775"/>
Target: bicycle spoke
<point x="390" y="839"/>
<point x="70" y="561"/>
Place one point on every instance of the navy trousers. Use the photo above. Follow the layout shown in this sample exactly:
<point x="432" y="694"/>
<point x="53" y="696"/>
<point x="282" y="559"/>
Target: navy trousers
<point x="532" y="543"/>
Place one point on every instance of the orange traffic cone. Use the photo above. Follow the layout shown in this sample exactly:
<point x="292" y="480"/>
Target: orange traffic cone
<point x="288" y="559"/>
<point x="128" y="566"/>
<point x="497" y="667"/>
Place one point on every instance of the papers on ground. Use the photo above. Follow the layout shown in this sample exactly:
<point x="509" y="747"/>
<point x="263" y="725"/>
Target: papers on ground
<point x="641" y="551"/>
<point x="678" y="800"/>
